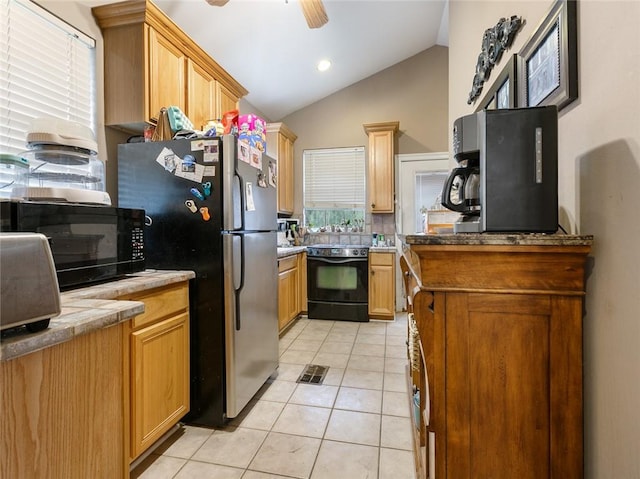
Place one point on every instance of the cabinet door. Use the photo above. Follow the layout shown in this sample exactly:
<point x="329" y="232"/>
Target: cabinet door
<point x="160" y="379"/>
<point x="285" y="175"/>
<point x="500" y="385"/>
<point x="166" y="75"/>
<point x="226" y="101"/>
<point x="380" y="169"/>
<point x="287" y="297"/>
<point x="381" y="285"/>
<point x="201" y="97"/>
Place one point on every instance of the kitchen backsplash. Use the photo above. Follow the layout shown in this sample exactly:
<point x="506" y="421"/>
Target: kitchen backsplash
<point x="374" y="223"/>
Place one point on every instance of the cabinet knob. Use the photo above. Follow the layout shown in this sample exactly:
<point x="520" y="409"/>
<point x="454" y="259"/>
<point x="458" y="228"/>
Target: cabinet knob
<point x="373" y="205"/>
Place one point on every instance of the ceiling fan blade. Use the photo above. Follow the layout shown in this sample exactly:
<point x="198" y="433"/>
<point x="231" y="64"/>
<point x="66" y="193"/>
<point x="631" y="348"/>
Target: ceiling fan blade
<point x="314" y="13"/>
<point x="217" y="3"/>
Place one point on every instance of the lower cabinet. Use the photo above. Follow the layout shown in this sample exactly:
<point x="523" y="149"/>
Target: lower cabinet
<point x="382" y="295"/>
<point x="501" y="347"/>
<point x="288" y="291"/>
<point x="159" y="377"/>
<point x="62" y="410"/>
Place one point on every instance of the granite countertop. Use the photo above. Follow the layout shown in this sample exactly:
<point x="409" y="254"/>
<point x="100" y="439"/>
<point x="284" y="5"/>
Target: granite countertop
<point x="530" y="239"/>
<point x="382" y="249"/>
<point x="88" y="309"/>
<point x="290" y="250"/>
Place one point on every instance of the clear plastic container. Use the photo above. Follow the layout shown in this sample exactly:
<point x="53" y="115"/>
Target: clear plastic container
<point x="57" y="166"/>
<point x="14" y="171"/>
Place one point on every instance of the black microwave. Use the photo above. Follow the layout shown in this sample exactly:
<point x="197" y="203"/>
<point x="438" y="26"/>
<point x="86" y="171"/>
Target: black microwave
<point x="89" y="243"/>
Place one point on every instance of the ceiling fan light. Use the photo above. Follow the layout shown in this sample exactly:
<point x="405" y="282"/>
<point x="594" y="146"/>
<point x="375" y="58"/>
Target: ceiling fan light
<point x="314" y="13"/>
<point x="217" y="3"/>
<point x="324" y="65"/>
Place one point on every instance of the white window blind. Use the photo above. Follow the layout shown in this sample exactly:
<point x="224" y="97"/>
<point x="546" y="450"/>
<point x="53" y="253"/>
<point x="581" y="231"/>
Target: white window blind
<point x="429" y="189"/>
<point x="334" y="178"/>
<point x="47" y="69"/>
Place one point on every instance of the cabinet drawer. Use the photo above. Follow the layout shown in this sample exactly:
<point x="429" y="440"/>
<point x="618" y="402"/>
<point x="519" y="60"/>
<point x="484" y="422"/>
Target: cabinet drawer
<point x="382" y="259"/>
<point x="285" y="264"/>
<point x="159" y="303"/>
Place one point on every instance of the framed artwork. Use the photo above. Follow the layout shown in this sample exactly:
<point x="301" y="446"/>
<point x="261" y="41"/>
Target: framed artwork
<point x="503" y="92"/>
<point x="548" y="63"/>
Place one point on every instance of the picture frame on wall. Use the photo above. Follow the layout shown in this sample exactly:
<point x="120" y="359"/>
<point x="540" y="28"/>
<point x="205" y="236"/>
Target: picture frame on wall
<point x="548" y="62"/>
<point x="503" y="92"/>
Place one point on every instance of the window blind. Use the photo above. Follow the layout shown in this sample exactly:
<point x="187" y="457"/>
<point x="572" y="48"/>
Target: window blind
<point x="47" y="69"/>
<point x="334" y="178"/>
<point x="428" y="189"/>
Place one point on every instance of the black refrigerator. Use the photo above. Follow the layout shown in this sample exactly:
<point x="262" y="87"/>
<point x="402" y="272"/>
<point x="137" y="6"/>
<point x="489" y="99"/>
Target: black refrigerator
<point x="210" y="206"/>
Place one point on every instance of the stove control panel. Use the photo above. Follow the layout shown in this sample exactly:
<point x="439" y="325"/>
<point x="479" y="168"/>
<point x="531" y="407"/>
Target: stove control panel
<point x="341" y="251"/>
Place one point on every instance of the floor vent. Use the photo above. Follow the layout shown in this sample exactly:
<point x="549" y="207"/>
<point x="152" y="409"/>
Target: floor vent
<point x="313" y="374"/>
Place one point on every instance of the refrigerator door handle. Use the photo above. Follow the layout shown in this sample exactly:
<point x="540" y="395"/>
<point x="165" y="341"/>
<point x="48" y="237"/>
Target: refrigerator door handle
<point x="234" y="273"/>
<point x="242" y="194"/>
<point x="241" y="285"/>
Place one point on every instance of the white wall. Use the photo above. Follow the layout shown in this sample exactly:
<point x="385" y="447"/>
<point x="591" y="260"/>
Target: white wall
<point x="599" y="194"/>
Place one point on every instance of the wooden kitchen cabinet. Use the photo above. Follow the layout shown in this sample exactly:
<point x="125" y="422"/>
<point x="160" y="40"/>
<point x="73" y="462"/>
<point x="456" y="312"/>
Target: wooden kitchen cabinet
<point x="150" y="63"/>
<point x="62" y="413"/>
<point x="226" y="100"/>
<point x="382" y="295"/>
<point x="167" y="65"/>
<point x="501" y="329"/>
<point x="280" y="140"/>
<point x="380" y="166"/>
<point x="288" y="291"/>
<point x="159" y="365"/>
<point x="202" y="95"/>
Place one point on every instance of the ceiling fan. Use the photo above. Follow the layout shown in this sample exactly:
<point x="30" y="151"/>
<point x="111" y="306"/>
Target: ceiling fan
<point x="313" y="11"/>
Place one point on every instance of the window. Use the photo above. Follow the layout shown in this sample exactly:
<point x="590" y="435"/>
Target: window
<point x="47" y="69"/>
<point x="334" y="186"/>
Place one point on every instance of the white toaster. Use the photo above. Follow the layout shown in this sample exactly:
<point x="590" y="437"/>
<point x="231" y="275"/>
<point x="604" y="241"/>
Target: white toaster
<point x="29" y="291"/>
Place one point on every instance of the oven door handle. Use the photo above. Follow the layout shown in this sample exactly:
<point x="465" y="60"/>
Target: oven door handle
<point x="337" y="261"/>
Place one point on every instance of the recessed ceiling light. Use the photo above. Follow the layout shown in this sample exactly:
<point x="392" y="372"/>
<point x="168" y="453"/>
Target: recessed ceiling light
<point x="324" y="65"/>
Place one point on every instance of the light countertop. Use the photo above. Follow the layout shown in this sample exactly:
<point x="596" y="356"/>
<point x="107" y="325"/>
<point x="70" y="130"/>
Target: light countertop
<point x="88" y="309"/>
<point x="290" y="250"/>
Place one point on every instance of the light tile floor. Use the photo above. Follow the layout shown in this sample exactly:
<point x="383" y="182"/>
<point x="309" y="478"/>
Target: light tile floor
<point x="355" y="425"/>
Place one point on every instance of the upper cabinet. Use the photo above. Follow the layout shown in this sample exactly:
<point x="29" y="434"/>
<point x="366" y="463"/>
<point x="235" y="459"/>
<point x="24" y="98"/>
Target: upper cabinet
<point x="150" y="63"/>
<point x="201" y="95"/>
<point x="380" y="167"/>
<point x="280" y="142"/>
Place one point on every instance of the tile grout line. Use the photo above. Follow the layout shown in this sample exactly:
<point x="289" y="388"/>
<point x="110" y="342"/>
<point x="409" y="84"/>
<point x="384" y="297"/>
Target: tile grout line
<point x="332" y="408"/>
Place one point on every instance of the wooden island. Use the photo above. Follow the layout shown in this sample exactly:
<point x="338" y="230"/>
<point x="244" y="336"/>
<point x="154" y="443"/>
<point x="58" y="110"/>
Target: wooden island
<point x="499" y="320"/>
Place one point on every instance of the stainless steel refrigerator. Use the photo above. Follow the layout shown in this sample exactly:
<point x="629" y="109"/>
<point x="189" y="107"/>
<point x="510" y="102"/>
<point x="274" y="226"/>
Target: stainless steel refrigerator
<point x="211" y="208"/>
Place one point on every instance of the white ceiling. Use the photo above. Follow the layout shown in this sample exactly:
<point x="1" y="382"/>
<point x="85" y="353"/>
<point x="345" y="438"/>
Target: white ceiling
<point x="267" y="46"/>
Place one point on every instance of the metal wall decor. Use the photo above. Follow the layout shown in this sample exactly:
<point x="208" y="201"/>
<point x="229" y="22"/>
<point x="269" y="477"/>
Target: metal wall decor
<point x="494" y="41"/>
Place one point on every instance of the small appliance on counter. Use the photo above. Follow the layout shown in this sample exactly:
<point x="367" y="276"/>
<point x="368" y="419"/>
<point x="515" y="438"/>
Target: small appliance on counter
<point x="507" y="179"/>
<point x="63" y="164"/>
<point x="288" y="231"/>
<point x="29" y="292"/>
<point x="89" y="243"/>
<point x="14" y="171"/>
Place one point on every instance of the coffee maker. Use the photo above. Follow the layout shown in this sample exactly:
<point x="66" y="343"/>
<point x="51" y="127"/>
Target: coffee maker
<point x="507" y="174"/>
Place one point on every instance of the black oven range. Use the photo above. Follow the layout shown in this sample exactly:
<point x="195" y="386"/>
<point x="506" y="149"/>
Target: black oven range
<point x="338" y="282"/>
